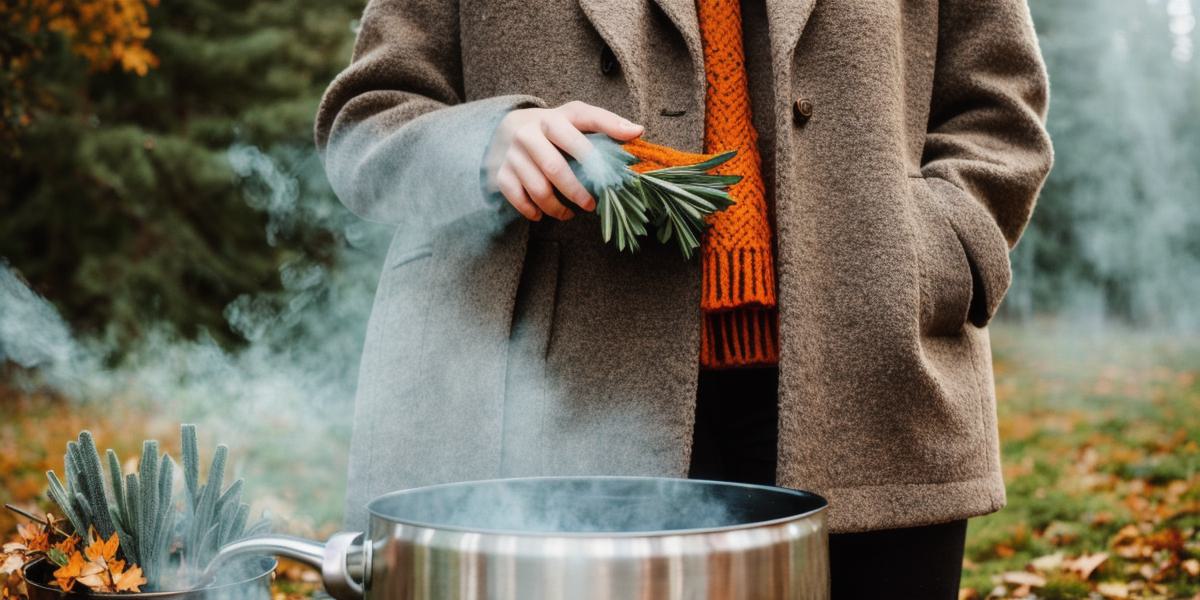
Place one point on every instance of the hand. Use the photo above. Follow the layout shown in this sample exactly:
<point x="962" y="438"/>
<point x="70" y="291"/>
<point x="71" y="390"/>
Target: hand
<point x="525" y="163"/>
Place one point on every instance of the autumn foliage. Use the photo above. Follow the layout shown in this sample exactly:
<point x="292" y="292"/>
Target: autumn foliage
<point x="95" y="567"/>
<point x="104" y="34"/>
<point x="99" y="569"/>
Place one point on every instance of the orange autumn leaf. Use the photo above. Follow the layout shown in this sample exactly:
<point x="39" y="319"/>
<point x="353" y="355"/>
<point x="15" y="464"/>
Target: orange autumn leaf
<point x="102" y="551"/>
<point x="35" y="538"/>
<point x="94" y="576"/>
<point x="128" y="581"/>
<point x="65" y="576"/>
<point x="67" y="545"/>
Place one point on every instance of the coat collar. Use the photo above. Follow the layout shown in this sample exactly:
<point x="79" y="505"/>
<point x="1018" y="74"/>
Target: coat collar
<point x="786" y="18"/>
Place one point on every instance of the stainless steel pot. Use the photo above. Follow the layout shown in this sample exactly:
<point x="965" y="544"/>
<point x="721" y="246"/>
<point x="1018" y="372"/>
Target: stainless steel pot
<point x="575" y="538"/>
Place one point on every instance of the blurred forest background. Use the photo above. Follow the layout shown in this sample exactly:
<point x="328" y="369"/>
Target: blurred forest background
<point x="160" y="190"/>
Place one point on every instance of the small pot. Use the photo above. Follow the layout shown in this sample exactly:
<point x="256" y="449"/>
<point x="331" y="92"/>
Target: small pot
<point x="574" y="538"/>
<point x="39" y="573"/>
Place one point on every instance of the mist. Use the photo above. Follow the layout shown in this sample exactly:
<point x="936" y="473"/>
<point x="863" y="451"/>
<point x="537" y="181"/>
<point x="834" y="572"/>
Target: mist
<point x="1114" y="239"/>
<point x="1113" y="243"/>
<point x="282" y="401"/>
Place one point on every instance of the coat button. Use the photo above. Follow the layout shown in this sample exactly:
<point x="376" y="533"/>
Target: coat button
<point x="608" y="61"/>
<point x="802" y="110"/>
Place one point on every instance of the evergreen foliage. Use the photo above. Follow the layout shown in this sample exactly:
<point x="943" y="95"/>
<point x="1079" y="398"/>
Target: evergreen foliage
<point x="119" y="200"/>
<point x="1114" y="231"/>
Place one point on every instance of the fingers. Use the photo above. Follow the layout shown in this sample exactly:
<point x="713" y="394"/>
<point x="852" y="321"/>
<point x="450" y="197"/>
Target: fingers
<point x="536" y="185"/>
<point x="553" y="165"/>
<point x="586" y="117"/>
<point x="532" y="165"/>
<point x="564" y="135"/>
<point x="512" y="190"/>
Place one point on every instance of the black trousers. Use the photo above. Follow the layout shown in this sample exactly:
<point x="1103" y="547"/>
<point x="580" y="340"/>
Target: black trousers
<point x="736" y="438"/>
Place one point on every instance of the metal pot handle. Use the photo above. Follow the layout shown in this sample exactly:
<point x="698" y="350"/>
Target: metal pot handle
<point x="342" y="560"/>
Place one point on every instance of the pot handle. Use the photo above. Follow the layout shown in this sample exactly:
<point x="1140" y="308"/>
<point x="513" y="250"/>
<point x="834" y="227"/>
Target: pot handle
<point x="341" y="560"/>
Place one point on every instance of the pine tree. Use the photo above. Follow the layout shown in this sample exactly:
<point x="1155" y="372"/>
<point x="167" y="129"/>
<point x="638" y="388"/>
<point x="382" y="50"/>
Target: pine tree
<point x="121" y="203"/>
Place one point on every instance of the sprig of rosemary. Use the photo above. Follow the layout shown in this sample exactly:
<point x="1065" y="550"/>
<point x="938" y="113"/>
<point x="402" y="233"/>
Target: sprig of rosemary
<point x="673" y="201"/>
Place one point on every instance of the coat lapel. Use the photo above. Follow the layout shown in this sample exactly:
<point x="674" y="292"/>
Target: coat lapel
<point x="617" y="21"/>
<point x="630" y="28"/>
<point x="683" y="14"/>
<point x="786" y="20"/>
<point x="626" y="26"/>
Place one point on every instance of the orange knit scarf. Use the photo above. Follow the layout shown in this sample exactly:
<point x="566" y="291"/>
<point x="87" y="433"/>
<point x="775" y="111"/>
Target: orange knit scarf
<point x="739" y="324"/>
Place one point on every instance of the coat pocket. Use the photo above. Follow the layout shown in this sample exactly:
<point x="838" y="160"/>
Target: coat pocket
<point x="407" y="255"/>
<point x="946" y="276"/>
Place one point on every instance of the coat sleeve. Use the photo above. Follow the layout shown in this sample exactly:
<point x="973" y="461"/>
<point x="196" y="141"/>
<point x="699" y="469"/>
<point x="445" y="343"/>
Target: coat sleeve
<point x="399" y="141"/>
<point x="987" y="152"/>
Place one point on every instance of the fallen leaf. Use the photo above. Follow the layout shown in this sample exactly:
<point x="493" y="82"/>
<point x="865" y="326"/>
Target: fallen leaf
<point x="1147" y="571"/>
<point x="36" y="538"/>
<point x="102" y="551"/>
<point x="1049" y="562"/>
<point x="129" y="581"/>
<point x="1191" y="566"/>
<point x="93" y="575"/>
<point x="1113" y="590"/>
<point x="65" y="576"/>
<point x="12" y="562"/>
<point x="67" y="545"/>
<point x="1023" y="578"/>
<point x="1087" y="564"/>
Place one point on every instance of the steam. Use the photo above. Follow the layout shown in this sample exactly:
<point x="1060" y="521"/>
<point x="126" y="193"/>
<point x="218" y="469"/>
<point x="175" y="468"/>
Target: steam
<point x="1120" y="208"/>
<point x="283" y="402"/>
<point x="1113" y="239"/>
<point x="591" y="505"/>
<point x="47" y="344"/>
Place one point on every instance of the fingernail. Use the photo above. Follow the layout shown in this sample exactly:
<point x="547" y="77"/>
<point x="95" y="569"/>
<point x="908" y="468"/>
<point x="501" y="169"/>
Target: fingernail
<point x="588" y="204"/>
<point x="630" y="125"/>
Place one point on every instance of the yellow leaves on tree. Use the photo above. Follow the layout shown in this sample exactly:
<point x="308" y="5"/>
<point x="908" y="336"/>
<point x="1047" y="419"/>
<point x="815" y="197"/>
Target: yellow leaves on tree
<point x="99" y="569"/>
<point x="104" y="32"/>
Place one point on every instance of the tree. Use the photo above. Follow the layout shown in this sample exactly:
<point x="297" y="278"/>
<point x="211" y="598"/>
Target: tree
<point x="122" y="204"/>
<point x="1114" y="233"/>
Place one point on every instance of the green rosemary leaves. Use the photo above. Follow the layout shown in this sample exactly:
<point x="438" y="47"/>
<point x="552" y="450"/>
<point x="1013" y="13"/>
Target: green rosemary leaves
<point x="673" y="201"/>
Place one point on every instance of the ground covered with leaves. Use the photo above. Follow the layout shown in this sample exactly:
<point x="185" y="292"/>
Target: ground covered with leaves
<point x="1101" y="435"/>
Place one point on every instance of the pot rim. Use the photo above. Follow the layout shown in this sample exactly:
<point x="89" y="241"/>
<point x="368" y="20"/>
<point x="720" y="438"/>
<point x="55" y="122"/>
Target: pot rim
<point x="269" y="569"/>
<point x="823" y="505"/>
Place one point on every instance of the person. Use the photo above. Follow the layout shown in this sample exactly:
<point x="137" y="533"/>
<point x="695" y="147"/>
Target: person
<point x="832" y="333"/>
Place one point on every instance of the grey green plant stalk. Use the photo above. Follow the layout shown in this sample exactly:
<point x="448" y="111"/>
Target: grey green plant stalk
<point x="673" y="201"/>
<point x="214" y="517"/>
<point x="142" y="510"/>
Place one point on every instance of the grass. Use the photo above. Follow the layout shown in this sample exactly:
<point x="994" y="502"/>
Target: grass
<point x="1101" y="437"/>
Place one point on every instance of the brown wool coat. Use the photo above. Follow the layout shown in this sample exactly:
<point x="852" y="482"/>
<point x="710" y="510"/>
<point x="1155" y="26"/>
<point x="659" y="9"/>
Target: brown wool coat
<point x="497" y="348"/>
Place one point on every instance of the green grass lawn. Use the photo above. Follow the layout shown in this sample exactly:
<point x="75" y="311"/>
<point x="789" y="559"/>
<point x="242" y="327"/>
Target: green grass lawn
<point x="1101" y="438"/>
